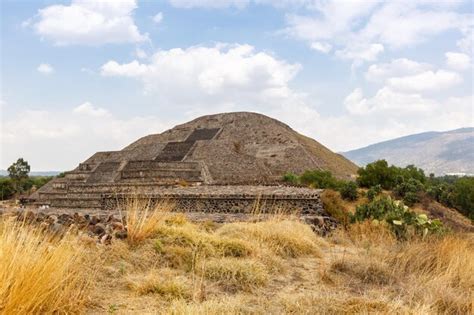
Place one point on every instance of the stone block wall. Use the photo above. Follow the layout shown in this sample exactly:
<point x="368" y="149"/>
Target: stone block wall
<point x="228" y="204"/>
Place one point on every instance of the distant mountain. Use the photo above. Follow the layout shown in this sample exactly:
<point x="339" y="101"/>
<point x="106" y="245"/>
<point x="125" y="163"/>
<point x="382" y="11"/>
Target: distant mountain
<point x="441" y="153"/>
<point x="46" y="173"/>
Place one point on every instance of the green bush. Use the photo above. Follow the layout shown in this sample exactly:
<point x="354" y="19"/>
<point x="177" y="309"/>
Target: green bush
<point x="373" y="192"/>
<point x="377" y="173"/>
<point x="455" y="192"/>
<point x="399" y="217"/>
<point x="6" y="188"/>
<point x="463" y="196"/>
<point x="409" y="191"/>
<point x="291" y="178"/>
<point x="380" y="173"/>
<point x="348" y="191"/>
<point x="10" y="187"/>
<point x="319" y="179"/>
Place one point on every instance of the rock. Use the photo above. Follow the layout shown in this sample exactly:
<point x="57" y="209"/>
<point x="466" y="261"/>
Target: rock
<point x="111" y="218"/>
<point x="99" y="229"/>
<point x="117" y="226"/>
<point x="106" y="239"/>
<point x="64" y="218"/>
<point x="121" y="234"/>
<point x="94" y="220"/>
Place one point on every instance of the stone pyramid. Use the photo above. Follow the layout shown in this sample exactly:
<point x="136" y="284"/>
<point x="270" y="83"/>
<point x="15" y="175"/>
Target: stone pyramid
<point x="219" y="155"/>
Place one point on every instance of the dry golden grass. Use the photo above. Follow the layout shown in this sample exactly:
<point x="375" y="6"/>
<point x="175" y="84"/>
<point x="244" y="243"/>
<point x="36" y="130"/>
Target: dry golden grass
<point x="286" y="238"/>
<point x="163" y="282"/>
<point x="236" y="274"/>
<point x="440" y="273"/>
<point x="279" y="266"/>
<point x="143" y="218"/>
<point x="40" y="273"/>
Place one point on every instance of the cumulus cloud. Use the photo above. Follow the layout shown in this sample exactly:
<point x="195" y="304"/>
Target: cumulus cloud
<point x="361" y="54"/>
<point x="222" y="74"/>
<point x="157" y="18"/>
<point x="213" y="4"/>
<point x="45" y="68"/>
<point x="85" y="22"/>
<point x="426" y="81"/>
<point x="388" y="101"/>
<point x="90" y="110"/>
<point x="458" y="61"/>
<point x="393" y="24"/>
<point x="395" y="68"/>
<point x="321" y="47"/>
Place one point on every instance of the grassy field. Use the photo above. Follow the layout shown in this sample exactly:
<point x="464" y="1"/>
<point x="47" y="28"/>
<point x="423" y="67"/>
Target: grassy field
<point x="171" y="266"/>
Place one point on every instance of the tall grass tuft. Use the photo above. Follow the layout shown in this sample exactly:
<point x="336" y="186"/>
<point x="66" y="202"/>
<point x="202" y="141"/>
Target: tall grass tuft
<point x="287" y="238"/>
<point x="40" y="273"/>
<point x="144" y="218"/>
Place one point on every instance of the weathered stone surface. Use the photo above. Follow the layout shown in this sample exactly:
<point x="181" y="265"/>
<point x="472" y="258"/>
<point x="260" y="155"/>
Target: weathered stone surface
<point x="225" y="149"/>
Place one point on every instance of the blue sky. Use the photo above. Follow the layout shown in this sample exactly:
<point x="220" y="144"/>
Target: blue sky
<point x="84" y="76"/>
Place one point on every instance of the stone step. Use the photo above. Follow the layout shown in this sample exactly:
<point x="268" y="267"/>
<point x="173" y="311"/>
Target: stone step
<point x="189" y="175"/>
<point x="174" y="151"/>
<point x="68" y="202"/>
<point x="146" y="165"/>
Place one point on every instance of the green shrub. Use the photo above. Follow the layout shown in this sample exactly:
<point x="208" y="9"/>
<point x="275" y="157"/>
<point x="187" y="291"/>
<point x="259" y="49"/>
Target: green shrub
<point x="399" y="217"/>
<point x="373" y="192"/>
<point x="409" y="191"/>
<point x="291" y="178"/>
<point x="6" y="188"/>
<point x="348" y="191"/>
<point x="377" y="173"/>
<point x="380" y="173"/>
<point x="319" y="179"/>
<point x="456" y="192"/>
<point x="463" y="196"/>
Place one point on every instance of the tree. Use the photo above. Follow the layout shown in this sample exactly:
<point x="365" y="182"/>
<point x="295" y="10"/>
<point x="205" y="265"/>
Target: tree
<point x="463" y="196"/>
<point x="377" y="173"/>
<point x="349" y="191"/>
<point x="18" y="172"/>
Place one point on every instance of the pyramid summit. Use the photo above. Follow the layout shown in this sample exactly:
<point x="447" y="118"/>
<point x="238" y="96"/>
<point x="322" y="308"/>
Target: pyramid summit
<point x="240" y="149"/>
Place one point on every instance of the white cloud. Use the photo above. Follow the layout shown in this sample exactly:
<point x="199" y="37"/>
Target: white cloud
<point x="361" y="53"/>
<point x="425" y="81"/>
<point x="321" y="47"/>
<point x="87" y="70"/>
<point x="466" y="42"/>
<point x="140" y="53"/>
<point x="88" y="23"/>
<point x="396" y="68"/>
<point x="458" y="61"/>
<point x="90" y="110"/>
<point x="360" y="24"/>
<point x="157" y="18"/>
<point x="223" y="74"/>
<point x="356" y="103"/>
<point x="387" y="101"/>
<point x="45" y="68"/>
<point x="213" y="4"/>
<point x="65" y="138"/>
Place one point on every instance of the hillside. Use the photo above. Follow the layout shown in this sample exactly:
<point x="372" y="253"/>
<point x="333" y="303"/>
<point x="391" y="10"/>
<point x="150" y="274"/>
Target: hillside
<point x="435" y="152"/>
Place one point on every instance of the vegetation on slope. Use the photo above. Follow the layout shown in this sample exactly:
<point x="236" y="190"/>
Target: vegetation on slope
<point x="409" y="184"/>
<point x="279" y="266"/>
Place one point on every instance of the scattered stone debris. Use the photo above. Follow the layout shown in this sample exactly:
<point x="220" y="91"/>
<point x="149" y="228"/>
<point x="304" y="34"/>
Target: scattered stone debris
<point x="101" y="227"/>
